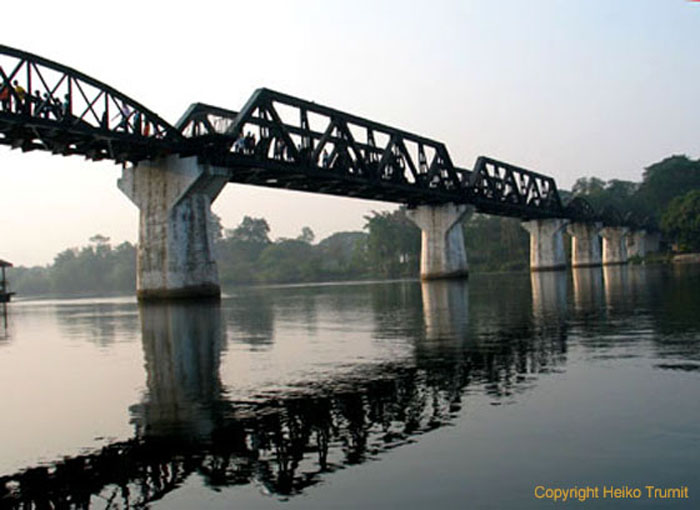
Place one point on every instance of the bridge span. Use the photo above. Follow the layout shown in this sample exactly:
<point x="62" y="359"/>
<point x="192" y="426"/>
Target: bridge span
<point x="173" y="173"/>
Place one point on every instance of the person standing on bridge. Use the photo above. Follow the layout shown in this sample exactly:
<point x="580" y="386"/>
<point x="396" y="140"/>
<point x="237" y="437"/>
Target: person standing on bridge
<point x="5" y="97"/>
<point x="137" y="122"/>
<point x="123" y="116"/>
<point x="239" y="144"/>
<point x="36" y="99"/>
<point x="279" y="147"/>
<point x="21" y="94"/>
<point x="66" y="107"/>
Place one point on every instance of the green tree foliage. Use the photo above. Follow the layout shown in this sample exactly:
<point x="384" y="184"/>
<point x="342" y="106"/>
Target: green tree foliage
<point x="96" y="268"/>
<point x="616" y="193"/>
<point x="251" y="230"/>
<point x="289" y="260"/>
<point x="667" y="179"/>
<point x="496" y="243"/>
<point x="344" y="256"/>
<point x="393" y="245"/>
<point x="681" y="221"/>
<point x="238" y="252"/>
<point x="307" y="235"/>
<point x="662" y="182"/>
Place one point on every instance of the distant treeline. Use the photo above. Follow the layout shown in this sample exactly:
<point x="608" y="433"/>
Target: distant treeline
<point x="389" y="246"/>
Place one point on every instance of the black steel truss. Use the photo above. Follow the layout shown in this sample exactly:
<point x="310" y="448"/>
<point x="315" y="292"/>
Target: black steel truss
<point x="48" y="106"/>
<point x="276" y="140"/>
<point x="281" y="141"/>
<point x="579" y="209"/>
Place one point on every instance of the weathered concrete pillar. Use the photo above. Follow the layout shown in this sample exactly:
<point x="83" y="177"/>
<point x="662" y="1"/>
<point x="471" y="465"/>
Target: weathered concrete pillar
<point x="546" y="244"/>
<point x="585" y="244"/>
<point x="635" y="242"/>
<point x="442" y="243"/>
<point x="175" y="251"/>
<point x="614" y="246"/>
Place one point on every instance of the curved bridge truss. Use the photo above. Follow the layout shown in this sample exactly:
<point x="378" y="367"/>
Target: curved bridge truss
<point x="276" y="140"/>
<point x="48" y="106"/>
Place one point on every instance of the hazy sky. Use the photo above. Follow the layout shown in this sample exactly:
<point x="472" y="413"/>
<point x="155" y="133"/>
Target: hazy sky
<point x="569" y="89"/>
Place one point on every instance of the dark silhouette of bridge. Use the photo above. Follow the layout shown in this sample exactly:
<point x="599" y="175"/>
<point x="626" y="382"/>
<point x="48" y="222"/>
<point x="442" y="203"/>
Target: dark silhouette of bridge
<point x="66" y="112"/>
<point x="280" y="141"/>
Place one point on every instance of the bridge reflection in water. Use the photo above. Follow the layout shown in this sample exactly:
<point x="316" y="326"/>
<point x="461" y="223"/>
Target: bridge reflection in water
<point x="185" y="424"/>
<point x="588" y="288"/>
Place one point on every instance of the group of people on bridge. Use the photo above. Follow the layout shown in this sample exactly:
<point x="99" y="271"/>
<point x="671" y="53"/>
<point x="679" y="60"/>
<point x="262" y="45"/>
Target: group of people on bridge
<point x="248" y="144"/>
<point x="14" y="98"/>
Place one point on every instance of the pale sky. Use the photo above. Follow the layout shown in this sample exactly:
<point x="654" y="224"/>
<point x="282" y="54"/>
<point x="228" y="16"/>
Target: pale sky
<point x="569" y="89"/>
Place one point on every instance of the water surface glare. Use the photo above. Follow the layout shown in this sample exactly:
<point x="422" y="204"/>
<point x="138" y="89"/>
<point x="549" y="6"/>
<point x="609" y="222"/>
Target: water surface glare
<point x="368" y="395"/>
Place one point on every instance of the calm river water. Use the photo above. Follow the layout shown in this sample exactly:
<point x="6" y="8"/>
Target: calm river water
<point x="484" y="394"/>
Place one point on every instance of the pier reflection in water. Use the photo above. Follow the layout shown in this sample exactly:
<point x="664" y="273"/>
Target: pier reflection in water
<point x="445" y="308"/>
<point x="387" y="363"/>
<point x="588" y="289"/>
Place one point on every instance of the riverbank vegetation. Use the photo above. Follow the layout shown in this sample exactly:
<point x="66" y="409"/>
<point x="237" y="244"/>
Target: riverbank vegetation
<point x="388" y="246"/>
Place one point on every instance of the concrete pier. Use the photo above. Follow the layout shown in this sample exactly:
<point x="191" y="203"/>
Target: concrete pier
<point x="442" y="242"/>
<point x="546" y="244"/>
<point x="585" y="244"/>
<point x="635" y="242"/>
<point x="614" y="245"/>
<point x="175" y="252"/>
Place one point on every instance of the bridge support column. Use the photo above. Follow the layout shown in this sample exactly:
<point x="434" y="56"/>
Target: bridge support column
<point x="614" y="246"/>
<point x="546" y="244"/>
<point x="442" y="243"/>
<point x="636" y="245"/>
<point x="175" y="251"/>
<point x="585" y="244"/>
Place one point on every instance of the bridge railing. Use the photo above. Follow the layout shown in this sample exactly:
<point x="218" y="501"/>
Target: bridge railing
<point x="90" y="116"/>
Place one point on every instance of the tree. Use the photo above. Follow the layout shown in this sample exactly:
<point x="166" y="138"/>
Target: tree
<point x="99" y="240"/>
<point x="393" y="245"/>
<point x="588" y="186"/>
<point x="667" y="179"/>
<point x="239" y="251"/>
<point x="252" y="230"/>
<point x="216" y="229"/>
<point x="307" y="235"/>
<point x="289" y="260"/>
<point x="681" y="221"/>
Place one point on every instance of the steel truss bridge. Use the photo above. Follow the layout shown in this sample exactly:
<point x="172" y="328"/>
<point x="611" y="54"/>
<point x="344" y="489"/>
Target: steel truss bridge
<point x="275" y="140"/>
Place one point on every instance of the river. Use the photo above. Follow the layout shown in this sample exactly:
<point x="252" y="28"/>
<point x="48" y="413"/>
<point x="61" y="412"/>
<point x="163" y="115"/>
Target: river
<point x="491" y="393"/>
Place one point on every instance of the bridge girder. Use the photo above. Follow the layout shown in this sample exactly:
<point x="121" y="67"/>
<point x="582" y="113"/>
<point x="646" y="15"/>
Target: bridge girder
<point x="299" y="145"/>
